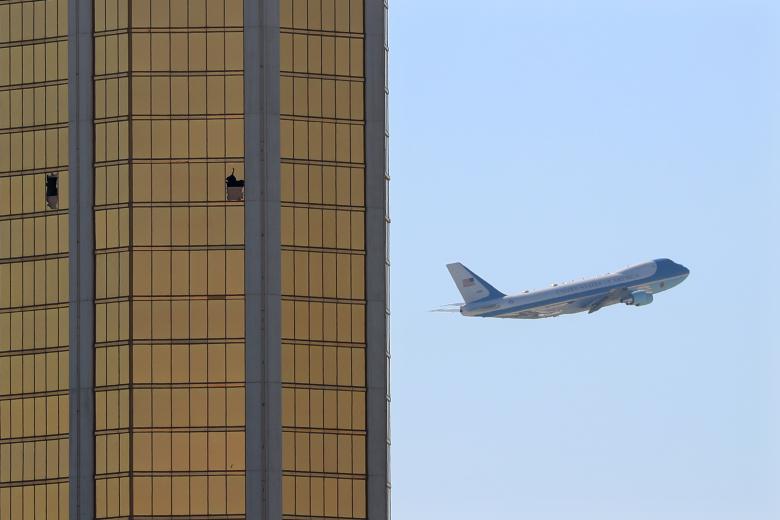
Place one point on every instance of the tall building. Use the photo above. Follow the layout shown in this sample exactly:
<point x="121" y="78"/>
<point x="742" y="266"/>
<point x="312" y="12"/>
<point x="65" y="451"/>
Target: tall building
<point x="193" y="259"/>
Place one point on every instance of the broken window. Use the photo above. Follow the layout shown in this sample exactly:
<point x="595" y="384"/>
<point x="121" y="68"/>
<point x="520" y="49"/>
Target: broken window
<point x="52" y="191"/>
<point x="234" y="188"/>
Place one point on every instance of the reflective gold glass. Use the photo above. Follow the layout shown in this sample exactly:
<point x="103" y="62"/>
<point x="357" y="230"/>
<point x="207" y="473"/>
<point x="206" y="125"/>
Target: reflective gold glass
<point x="323" y="258"/>
<point x="33" y="261"/>
<point x="169" y="259"/>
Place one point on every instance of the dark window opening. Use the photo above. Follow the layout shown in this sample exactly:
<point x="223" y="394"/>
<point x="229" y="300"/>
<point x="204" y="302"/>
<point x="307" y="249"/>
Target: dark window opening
<point x="234" y="188"/>
<point x="52" y="191"/>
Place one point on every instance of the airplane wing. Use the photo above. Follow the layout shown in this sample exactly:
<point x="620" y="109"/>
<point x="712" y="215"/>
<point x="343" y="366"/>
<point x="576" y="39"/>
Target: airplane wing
<point x="545" y="311"/>
<point x="613" y="296"/>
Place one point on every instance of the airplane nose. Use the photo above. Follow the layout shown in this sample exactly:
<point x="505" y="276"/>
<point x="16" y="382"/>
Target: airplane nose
<point x="685" y="271"/>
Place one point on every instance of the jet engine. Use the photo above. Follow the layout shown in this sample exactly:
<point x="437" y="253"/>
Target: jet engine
<point x="639" y="298"/>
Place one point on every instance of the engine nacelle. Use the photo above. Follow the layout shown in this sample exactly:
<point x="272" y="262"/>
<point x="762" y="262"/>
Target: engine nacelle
<point x="639" y="298"/>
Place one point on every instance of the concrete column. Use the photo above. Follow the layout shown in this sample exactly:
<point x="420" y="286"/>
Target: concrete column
<point x="377" y="353"/>
<point x="262" y="261"/>
<point x="82" y="273"/>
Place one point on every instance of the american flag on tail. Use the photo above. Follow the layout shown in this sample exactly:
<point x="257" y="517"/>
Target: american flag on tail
<point x="468" y="282"/>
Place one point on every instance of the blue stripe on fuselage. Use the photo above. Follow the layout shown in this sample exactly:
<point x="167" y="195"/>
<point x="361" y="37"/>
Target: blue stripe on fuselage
<point x="664" y="271"/>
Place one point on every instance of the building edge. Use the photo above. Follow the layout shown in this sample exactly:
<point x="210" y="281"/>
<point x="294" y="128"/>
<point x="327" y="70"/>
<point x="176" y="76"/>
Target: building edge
<point x="262" y="224"/>
<point x="81" y="261"/>
<point x="377" y="265"/>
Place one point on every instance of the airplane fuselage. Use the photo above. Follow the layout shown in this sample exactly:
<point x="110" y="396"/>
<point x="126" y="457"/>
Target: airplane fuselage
<point x="633" y="285"/>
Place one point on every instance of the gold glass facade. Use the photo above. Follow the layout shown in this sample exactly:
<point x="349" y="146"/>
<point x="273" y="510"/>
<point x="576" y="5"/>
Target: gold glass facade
<point x="169" y="259"/>
<point x="323" y="258"/>
<point x="33" y="261"/>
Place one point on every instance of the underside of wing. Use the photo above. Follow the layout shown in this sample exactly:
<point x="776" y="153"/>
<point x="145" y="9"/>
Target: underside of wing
<point x="545" y="311"/>
<point x="521" y="315"/>
<point x="598" y="303"/>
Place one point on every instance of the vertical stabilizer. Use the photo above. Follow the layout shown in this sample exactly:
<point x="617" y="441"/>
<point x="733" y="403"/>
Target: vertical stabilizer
<point x="472" y="287"/>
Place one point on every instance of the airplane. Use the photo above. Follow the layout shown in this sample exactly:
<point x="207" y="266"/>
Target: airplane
<point x="634" y="285"/>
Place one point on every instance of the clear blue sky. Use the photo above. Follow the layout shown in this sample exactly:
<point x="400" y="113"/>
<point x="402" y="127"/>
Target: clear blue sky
<point x="548" y="140"/>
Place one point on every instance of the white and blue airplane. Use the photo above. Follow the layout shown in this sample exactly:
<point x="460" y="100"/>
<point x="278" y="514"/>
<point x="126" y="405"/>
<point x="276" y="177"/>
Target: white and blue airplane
<point x="634" y="285"/>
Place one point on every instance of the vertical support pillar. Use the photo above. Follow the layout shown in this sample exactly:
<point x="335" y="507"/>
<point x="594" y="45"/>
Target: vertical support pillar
<point x="377" y="346"/>
<point x="262" y="261"/>
<point x="82" y="275"/>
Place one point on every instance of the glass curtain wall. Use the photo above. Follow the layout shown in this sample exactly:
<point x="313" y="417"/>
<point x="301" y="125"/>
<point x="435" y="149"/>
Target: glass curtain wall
<point x="323" y="258"/>
<point x="169" y="359"/>
<point x="33" y="260"/>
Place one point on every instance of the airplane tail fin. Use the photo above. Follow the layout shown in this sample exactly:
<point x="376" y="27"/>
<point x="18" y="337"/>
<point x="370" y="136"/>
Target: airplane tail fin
<point x="472" y="287"/>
